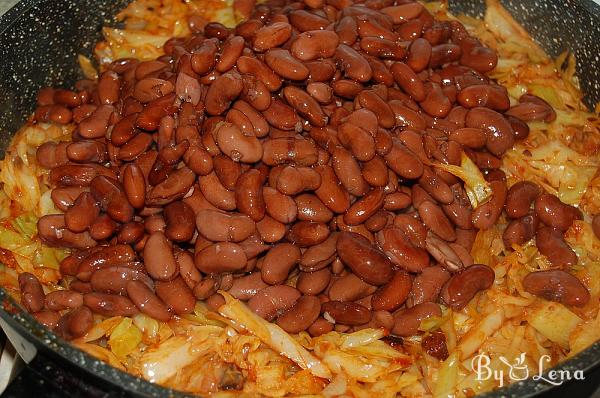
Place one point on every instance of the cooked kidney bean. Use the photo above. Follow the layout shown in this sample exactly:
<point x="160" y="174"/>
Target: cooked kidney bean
<point x="444" y="253"/>
<point x="435" y="345"/>
<point x="52" y="230"/>
<point x="82" y="213"/>
<point x="221" y="257"/>
<point x="159" y="260"/>
<point x="434" y="218"/>
<point x="392" y="295"/>
<point x="519" y="198"/>
<point x="272" y="301"/>
<point x="313" y="283"/>
<point x="557" y="285"/>
<point x="32" y="294"/>
<point x="399" y="249"/>
<point x="303" y="314"/>
<point x="551" y="243"/>
<point x="408" y="321"/>
<point x="427" y="285"/>
<point x="59" y="300"/>
<point x="109" y="304"/>
<point x="462" y="287"/>
<point x="114" y="279"/>
<point x="319" y="327"/>
<point x="75" y="323"/>
<point x="554" y="213"/>
<point x="349" y="287"/>
<point x="176" y="295"/>
<point x="364" y="259"/>
<point x="346" y="313"/>
<point x="47" y="318"/>
<point x="521" y="230"/>
<point x="146" y="301"/>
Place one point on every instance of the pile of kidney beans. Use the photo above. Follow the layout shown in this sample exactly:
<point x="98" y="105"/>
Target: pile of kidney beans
<point x="290" y="161"/>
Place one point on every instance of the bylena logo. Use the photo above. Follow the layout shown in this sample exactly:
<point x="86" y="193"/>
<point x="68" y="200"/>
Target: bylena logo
<point x="518" y="370"/>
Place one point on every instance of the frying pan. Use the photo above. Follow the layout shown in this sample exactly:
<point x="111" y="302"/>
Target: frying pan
<point x="39" y="41"/>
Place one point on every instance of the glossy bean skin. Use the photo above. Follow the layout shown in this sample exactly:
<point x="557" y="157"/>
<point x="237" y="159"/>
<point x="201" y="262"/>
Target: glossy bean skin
<point x="346" y="313"/>
<point x="350" y="287"/>
<point x="551" y="243"/>
<point x="366" y="261"/>
<point x="486" y="215"/>
<point x="176" y="295"/>
<point x="52" y="231"/>
<point x="427" y="285"/>
<point x="221" y="257"/>
<point x="554" y="213"/>
<point x="245" y="287"/>
<point x="303" y="314"/>
<point x="392" y="295"/>
<point x="109" y="304"/>
<point x="557" y="285"/>
<point x="278" y="263"/>
<point x="63" y="299"/>
<point x="75" y="323"/>
<point x="179" y="219"/>
<point x="499" y="133"/>
<point x="520" y="230"/>
<point x="147" y="302"/>
<point x="273" y="301"/>
<point x="313" y="283"/>
<point x="462" y="287"/>
<point x="401" y="251"/>
<point x="519" y="198"/>
<point x="83" y="212"/>
<point x="32" y="294"/>
<point x="159" y="260"/>
<point x="407" y="322"/>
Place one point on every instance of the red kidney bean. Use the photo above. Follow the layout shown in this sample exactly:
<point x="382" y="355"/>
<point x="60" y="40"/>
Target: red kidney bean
<point x="444" y="253"/>
<point x="245" y="287"/>
<point x="272" y="35"/>
<point x="499" y="133"/>
<point x="278" y="263"/>
<point x="319" y="256"/>
<point x="434" y="344"/>
<point x="221" y="257"/>
<point x="146" y="301"/>
<point x="308" y="233"/>
<point x="434" y="218"/>
<point x="47" y="318"/>
<point x="427" y="285"/>
<point x="520" y="230"/>
<point x="365" y="207"/>
<point x="365" y="260"/>
<point x="392" y="295"/>
<point x="285" y="65"/>
<point x="114" y="279"/>
<point x="83" y="212"/>
<point x="52" y="230"/>
<point x="550" y="243"/>
<point x="176" y="295"/>
<point x="554" y="213"/>
<point x="400" y="251"/>
<point x="32" y="294"/>
<point x="358" y="140"/>
<point x="177" y="184"/>
<point x="103" y="257"/>
<point x="346" y="313"/>
<point x="130" y="233"/>
<point x="314" y="44"/>
<point x="159" y="260"/>
<point x="305" y="105"/>
<point x="75" y="323"/>
<point x="310" y="208"/>
<point x="179" y="218"/>
<point x="557" y="285"/>
<point x="350" y="287"/>
<point x="408" y="81"/>
<point x="408" y="322"/>
<point x="462" y="287"/>
<point x="109" y="304"/>
<point x="59" y="300"/>
<point x="52" y="154"/>
<point x="313" y="283"/>
<point x="262" y="72"/>
<point x="485" y="95"/>
<point x="222" y="92"/>
<point x="87" y="151"/>
<point x="102" y="227"/>
<point x="95" y="125"/>
<point x="273" y="301"/>
<point x="303" y="314"/>
<point x="404" y="12"/>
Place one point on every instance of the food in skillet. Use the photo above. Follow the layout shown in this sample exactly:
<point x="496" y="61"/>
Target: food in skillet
<point x="328" y="198"/>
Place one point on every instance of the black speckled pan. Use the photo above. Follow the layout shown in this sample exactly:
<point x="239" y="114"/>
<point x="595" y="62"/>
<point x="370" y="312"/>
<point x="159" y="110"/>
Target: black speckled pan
<point x="39" y="41"/>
